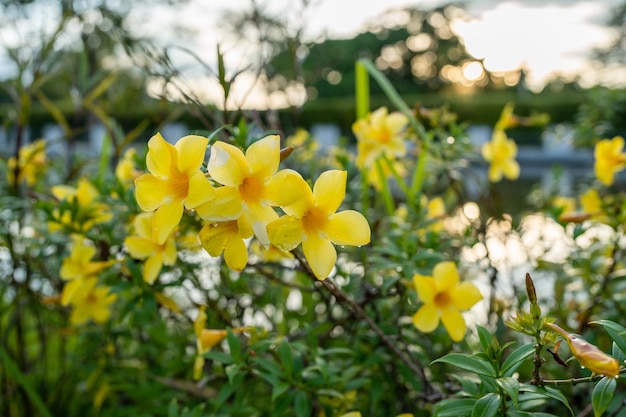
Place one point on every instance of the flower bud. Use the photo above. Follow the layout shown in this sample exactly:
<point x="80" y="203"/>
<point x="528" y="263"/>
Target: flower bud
<point x="588" y="355"/>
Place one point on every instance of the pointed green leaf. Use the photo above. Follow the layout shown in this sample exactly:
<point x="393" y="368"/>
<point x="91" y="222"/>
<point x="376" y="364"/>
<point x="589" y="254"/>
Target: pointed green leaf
<point x="234" y="344"/>
<point x="548" y="392"/>
<point x="617" y="332"/>
<point x="484" y="336"/>
<point x="455" y="407"/>
<point x="468" y="363"/>
<point x="511" y="387"/>
<point x="286" y="359"/>
<point x="487" y="406"/>
<point x="279" y="389"/>
<point x="302" y="404"/>
<point x="602" y="395"/>
<point x="516" y="358"/>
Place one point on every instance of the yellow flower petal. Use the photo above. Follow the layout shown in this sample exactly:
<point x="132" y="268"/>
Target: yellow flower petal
<point x="454" y="323"/>
<point x="320" y="254"/>
<point x="330" y="190"/>
<point x="258" y="217"/>
<point x="427" y="318"/>
<point x="191" y="150"/>
<point x="69" y="290"/>
<point x="285" y="232"/>
<point x="236" y="254"/>
<point x="166" y="218"/>
<point x="511" y="170"/>
<point x="150" y="192"/>
<point x="199" y="322"/>
<point x="446" y="276"/>
<point x="425" y="287"/>
<point x="169" y="253"/>
<point x="143" y="225"/>
<point x="227" y="164"/>
<point x="465" y="295"/>
<point x="160" y="156"/>
<point x="200" y="190"/>
<point x="215" y="237"/>
<point x="151" y="268"/>
<point x="288" y="189"/>
<point x="227" y="205"/>
<point x="263" y="156"/>
<point x="139" y="247"/>
<point x="348" y="227"/>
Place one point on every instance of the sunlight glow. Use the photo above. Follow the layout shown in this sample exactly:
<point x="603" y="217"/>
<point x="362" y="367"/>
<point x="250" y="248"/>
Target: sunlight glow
<point x="544" y="40"/>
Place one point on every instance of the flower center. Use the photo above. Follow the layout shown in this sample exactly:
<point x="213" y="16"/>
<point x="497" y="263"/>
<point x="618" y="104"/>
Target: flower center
<point x="443" y="300"/>
<point x="314" y="220"/>
<point x="384" y="136"/>
<point x="179" y="186"/>
<point x="251" y="190"/>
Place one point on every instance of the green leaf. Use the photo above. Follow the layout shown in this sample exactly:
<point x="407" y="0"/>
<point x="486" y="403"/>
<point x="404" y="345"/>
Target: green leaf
<point x="362" y="90"/>
<point x="455" y="407"/>
<point x="284" y="352"/>
<point x="487" y="406"/>
<point x="218" y="356"/>
<point x="617" y="353"/>
<point x="516" y="358"/>
<point x="602" y="395"/>
<point x="617" y="332"/>
<point x="468" y="363"/>
<point x="279" y="389"/>
<point x="234" y="344"/>
<point x="231" y="371"/>
<point x="548" y="392"/>
<point x="511" y="387"/>
<point x="518" y="413"/>
<point x="172" y="410"/>
<point x="302" y="404"/>
<point x="14" y="373"/>
<point x="485" y="337"/>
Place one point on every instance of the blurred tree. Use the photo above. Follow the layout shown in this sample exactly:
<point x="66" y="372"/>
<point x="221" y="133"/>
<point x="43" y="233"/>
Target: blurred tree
<point x="416" y="49"/>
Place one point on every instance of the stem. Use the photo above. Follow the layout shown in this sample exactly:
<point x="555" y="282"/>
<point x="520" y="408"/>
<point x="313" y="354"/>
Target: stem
<point x="537" y="360"/>
<point x="343" y="298"/>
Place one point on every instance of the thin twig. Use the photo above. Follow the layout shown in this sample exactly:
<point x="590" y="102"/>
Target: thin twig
<point x="342" y="297"/>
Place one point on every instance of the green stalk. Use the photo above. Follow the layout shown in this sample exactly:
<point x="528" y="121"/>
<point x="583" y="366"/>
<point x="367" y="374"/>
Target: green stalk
<point x="387" y="197"/>
<point x="425" y="140"/>
<point x="362" y="94"/>
<point x="362" y="91"/>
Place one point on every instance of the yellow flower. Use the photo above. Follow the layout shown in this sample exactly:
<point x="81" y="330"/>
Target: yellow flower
<point x="78" y="266"/>
<point x="206" y="339"/>
<point x="500" y="152"/>
<point x="143" y="246"/>
<point x="91" y="302"/>
<point x="566" y="205"/>
<point x="443" y="297"/>
<point x="588" y="355"/>
<point x="591" y="202"/>
<point x="31" y="160"/>
<point x="507" y="118"/>
<point x="313" y="221"/>
<point x="380" y="133"/>
<point x="609" y="159"/>
<point x="175" y="182"/>
<point x="126" y="171"/>
<point x="227" y="237"/>
<point x="82" y="210"/>
<point x="435" y="211"/>
<point x="251" y="185"/>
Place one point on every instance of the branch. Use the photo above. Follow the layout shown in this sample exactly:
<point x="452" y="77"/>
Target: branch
<point x="342" y="297"/>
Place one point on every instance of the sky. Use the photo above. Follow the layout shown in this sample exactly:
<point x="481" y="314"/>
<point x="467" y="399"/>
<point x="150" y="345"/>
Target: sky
<point x="545" y="37"/>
